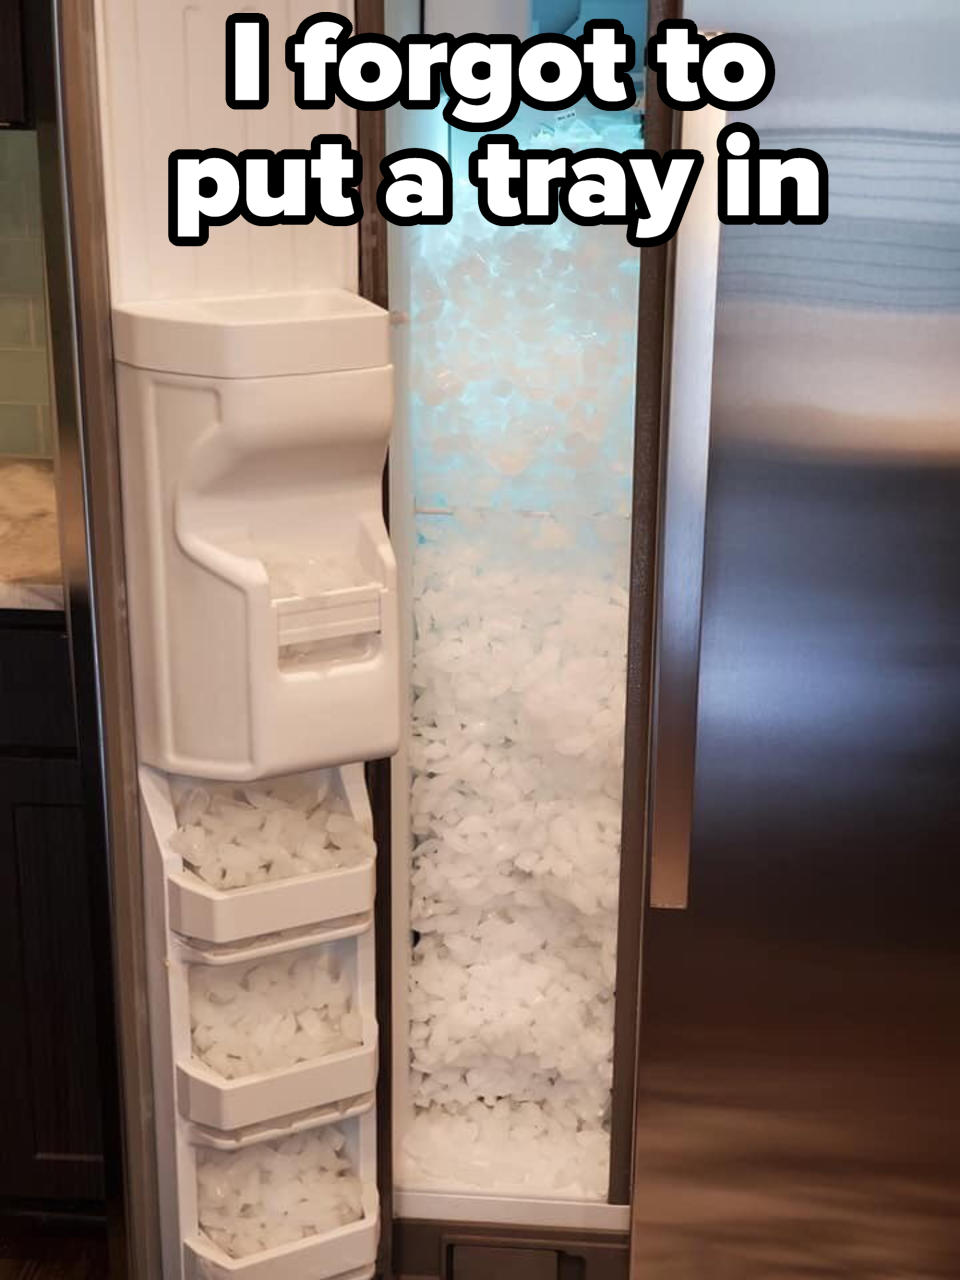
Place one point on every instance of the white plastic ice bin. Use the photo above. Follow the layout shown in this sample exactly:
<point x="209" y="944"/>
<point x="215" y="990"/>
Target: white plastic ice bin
<point x="196" y="1106"/>
<point x="253" y="433"/>
<point x="197" y="910"/>
<point x="348" y="1253"/>
<point x="207" y="1098"/>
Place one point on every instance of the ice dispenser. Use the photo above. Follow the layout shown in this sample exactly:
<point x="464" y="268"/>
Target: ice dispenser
<point x="263" y="599"/>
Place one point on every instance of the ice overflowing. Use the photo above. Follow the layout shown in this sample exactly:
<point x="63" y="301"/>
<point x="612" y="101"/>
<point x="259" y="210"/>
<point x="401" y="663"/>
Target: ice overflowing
<point x="521" y="417"/>
<point x="517" y="749"/>
<point x="276" y="1193"/>
<point x="233" y="835"/>
<point x="511" y="1149"/>
<point x="273" y="1013"/>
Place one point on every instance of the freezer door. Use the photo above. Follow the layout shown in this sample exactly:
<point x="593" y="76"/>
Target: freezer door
<point x="800" y="1045"/>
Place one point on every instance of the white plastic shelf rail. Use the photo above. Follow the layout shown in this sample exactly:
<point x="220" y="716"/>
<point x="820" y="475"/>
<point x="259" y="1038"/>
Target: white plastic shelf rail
<point x="347" y="1253"/>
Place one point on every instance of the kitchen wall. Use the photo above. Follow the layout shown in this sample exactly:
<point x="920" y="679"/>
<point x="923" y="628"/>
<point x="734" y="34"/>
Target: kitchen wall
<point x="25" y="428"/>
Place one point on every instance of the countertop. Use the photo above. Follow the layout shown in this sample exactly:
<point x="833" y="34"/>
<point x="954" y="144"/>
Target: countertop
<point x="30" y="575"/>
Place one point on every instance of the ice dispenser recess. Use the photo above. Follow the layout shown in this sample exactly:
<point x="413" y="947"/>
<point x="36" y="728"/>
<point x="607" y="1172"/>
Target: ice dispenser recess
<point x="261" y="581"/>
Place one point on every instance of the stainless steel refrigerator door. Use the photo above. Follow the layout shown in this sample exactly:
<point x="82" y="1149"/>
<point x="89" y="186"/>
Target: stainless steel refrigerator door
<point x="800" y="1045"/>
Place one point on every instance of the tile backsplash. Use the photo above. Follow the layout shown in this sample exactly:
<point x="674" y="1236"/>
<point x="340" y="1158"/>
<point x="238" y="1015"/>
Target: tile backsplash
<point x="24" y="373"/>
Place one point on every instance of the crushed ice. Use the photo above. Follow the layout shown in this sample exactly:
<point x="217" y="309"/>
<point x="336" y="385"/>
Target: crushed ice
<point x="276" y="1193"/>
<point x="233" y="835"/>
<point x="516" y="797"/>
<point x="307" y="575"/>
<point x="298" y="571"/>
<point x="522" y="391"/>
<point x="273" y="1013"/>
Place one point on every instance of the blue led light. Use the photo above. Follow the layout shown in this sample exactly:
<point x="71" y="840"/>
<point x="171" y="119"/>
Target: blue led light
<point x="522" y="395"/>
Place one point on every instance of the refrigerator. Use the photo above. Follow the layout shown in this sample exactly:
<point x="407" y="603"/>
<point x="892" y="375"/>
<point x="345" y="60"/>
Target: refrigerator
<point x="798" y="1033"/>
<point x="640" y="728"/>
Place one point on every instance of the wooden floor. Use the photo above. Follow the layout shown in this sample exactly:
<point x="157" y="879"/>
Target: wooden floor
<point x="58" y="1257"/>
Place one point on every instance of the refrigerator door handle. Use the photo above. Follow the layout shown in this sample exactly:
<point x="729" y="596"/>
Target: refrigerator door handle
<point x="677" y="673"/>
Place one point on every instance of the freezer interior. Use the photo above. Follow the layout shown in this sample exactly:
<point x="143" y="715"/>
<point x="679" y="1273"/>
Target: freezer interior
<point x="511" y="493"/>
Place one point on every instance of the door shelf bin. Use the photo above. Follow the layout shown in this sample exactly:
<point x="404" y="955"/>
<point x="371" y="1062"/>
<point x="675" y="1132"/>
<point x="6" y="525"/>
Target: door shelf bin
<point x="282" y="1127"/>
<point x="218" y="916"/>
<point x="200" y="1108"/>
<point x="263" y="613"/>
<point x="348" y="1252"/>
<point x="199" y="1266"/>
<point x="197" y="910"/>
<point x="208" y="1099"/>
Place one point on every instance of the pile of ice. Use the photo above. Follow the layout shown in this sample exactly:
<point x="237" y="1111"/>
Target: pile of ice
<point x="237" y="834"/>
<point x="307" y="575"/>
<point x="511" y="1148"/>
<point x="276" y="1193"/>
<point x="519" y="688"/>
<point x="251" y="1018"/>
<point x="523" y="455"/>
<point x="298" y="571"/>
<point x="523" y="354"/>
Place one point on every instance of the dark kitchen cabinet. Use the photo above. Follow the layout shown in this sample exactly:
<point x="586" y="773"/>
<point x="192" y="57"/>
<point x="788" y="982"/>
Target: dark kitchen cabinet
<point x="13" y="97"/>
<point x="50" y="1114"/>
